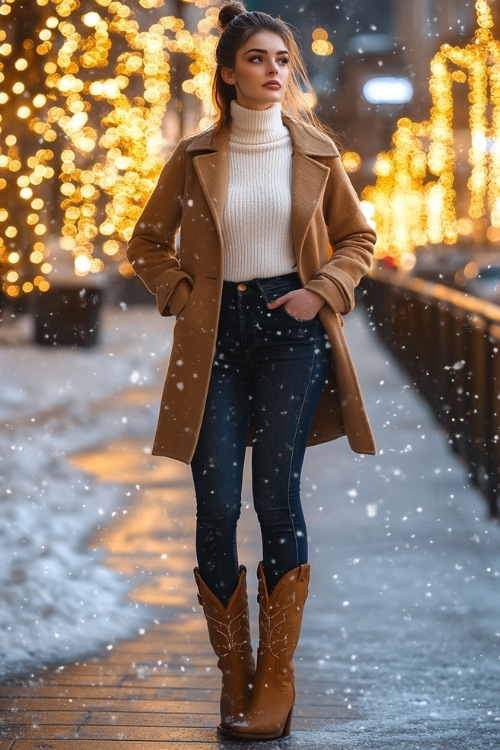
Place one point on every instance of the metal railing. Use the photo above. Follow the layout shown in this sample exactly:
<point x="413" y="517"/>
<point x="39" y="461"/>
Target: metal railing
<point x="449" y="343"/>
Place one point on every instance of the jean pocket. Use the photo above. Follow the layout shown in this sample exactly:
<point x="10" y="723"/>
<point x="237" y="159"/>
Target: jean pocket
<point x="305" y="321"/>
<point x="293" y="329"/>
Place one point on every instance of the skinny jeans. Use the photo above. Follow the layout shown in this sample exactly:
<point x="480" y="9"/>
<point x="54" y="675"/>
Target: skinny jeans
<point x="268" y="373"/>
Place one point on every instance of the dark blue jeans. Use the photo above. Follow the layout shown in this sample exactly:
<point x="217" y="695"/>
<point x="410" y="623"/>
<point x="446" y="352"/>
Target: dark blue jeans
<point x="268" y="372"/>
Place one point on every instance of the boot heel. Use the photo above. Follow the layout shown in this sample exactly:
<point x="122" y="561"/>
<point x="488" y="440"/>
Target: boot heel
<point x="288" y="724"/>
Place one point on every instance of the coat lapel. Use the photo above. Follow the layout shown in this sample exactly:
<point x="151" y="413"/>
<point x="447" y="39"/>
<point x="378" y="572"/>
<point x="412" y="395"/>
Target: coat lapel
<point x="212" y="167"/>
<point x="308" y="183"/>
<point x="309" y="177"/>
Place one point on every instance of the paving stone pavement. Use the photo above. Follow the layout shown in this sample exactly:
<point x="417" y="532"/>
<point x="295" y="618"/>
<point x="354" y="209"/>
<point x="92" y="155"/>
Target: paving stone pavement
<point x="401" y="636"/>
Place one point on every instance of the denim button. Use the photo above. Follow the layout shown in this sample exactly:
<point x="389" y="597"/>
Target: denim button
<point x="242" y="287"/>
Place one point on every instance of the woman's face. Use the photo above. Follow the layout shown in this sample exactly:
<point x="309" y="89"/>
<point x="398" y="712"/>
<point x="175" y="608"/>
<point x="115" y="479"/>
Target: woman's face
<point x="261" y="71"/>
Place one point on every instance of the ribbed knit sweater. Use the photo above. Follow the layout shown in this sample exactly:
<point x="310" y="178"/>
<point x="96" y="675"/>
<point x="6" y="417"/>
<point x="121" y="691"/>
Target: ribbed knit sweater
<point x="256" y="224"/>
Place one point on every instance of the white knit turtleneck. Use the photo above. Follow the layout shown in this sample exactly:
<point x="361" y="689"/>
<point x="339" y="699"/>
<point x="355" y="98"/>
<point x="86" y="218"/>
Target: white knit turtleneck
<point x="256" y="225"/>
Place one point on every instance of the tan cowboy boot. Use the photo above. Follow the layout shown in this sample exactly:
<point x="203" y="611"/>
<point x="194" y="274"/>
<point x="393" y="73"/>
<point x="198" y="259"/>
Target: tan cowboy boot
<point x="229" y="633"/>
<point x="269" y="712"/>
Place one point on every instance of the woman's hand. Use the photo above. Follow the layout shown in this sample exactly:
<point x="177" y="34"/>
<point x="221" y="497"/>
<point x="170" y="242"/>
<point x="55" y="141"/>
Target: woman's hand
<point x="301" y="304"/>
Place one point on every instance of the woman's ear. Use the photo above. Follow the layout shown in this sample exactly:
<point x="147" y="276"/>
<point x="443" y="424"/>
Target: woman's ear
<point x="227" y="76"/>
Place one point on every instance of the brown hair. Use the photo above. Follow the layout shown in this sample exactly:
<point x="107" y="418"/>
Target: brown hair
<point x="238" y="26"/>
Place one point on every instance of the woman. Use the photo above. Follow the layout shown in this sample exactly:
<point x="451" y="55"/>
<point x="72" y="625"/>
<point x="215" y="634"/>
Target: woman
<point x="272" y="245"/>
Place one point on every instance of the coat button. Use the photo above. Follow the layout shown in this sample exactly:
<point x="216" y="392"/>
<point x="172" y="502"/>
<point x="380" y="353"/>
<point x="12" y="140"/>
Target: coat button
<point x="242" y="287"/>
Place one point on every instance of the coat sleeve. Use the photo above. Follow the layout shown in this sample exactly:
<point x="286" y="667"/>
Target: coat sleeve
<point x="152" y="248"/>
<point x="351" y="238"/>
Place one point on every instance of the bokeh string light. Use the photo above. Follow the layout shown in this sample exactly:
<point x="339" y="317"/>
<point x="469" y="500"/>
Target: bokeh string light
<point x="83" y="95"/>
<point x="321" y="45"/>
<point x="416" y="200"/>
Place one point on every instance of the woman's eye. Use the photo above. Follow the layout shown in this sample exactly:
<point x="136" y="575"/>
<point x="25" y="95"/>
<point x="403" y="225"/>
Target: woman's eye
<point x="283" y="61"/>
<point x="257" y="58"/>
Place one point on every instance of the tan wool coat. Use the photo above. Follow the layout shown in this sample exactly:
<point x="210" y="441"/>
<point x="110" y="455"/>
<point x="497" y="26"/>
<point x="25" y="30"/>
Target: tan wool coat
<point x="187" y="277"/>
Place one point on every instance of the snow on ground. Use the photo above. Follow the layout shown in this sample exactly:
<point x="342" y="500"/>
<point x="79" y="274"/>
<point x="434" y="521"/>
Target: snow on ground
<point x="57" y="599"/>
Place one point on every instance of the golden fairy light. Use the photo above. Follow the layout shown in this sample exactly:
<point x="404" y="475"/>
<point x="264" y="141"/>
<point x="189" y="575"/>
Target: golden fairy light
<point x="321" y="45"/>
<point x="417" y="199"/>
<point x="83" y="100"/>
<point x="351" y="161"/>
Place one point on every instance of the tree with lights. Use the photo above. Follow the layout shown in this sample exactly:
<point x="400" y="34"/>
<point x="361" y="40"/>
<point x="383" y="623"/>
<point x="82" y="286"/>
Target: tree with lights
<point x="84" y="89"/>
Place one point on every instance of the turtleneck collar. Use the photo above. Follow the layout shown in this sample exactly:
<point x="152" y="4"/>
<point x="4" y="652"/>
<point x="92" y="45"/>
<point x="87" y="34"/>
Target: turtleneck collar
<point x="255" y="126"/>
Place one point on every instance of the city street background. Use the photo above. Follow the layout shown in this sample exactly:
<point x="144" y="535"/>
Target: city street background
<point x="101" y="634"/>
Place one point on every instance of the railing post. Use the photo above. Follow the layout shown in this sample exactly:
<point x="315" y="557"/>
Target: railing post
<point x="492" y="418"/>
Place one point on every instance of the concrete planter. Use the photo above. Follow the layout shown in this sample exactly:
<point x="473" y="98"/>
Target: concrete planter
<point x="68" y="315"/>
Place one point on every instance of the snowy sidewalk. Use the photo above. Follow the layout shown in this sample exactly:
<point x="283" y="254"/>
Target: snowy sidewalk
<point x="401" y="637"/>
